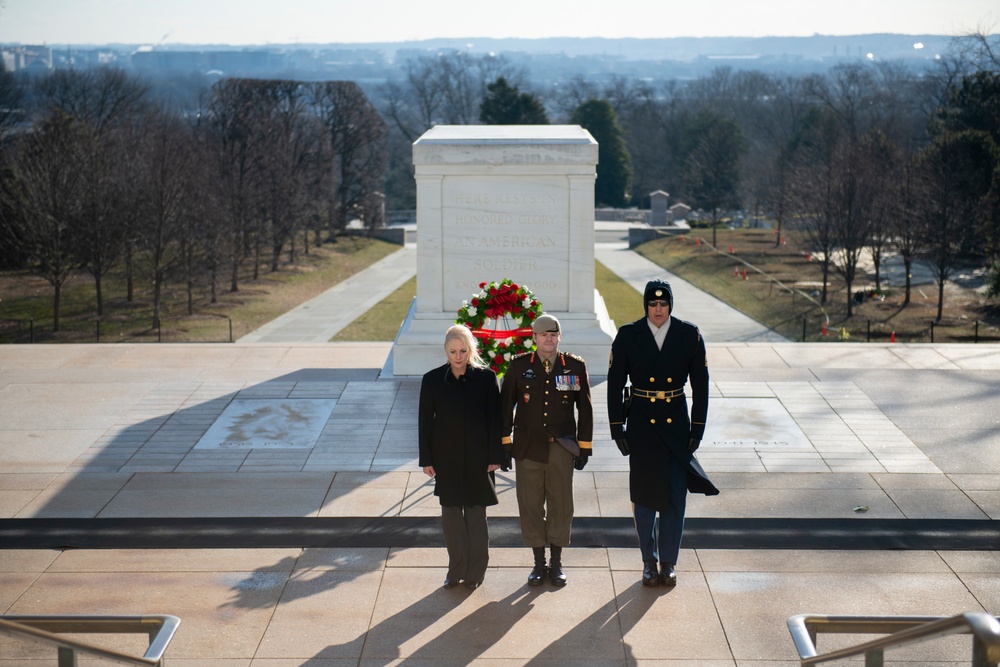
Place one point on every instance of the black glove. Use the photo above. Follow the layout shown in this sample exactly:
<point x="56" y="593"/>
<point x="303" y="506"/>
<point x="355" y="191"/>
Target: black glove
<point x="622" y="446"/>
<point x="693" y="444"/>
<point x="580" y="461"/>
<point x="508" y="459"/>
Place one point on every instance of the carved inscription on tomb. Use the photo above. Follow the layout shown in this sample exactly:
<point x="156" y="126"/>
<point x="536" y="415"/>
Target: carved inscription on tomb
<point x="513" y="228"/>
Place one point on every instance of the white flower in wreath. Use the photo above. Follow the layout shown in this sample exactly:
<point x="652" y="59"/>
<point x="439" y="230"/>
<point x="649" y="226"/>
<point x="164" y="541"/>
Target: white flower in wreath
<point x="506" y="356"/>
<point x="508" y="341"/>
<point x="472" y="311"/>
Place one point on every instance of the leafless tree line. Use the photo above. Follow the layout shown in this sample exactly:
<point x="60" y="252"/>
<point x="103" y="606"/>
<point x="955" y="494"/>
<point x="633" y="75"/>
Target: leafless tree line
<point x="106" y="177"/>
<point x="871" y="158"/>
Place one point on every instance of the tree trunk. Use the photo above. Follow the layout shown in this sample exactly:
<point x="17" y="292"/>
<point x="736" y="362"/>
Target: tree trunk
<point x="56" y="294"/>
<point x="940" y="308"/>
<point x="98" y="287"/>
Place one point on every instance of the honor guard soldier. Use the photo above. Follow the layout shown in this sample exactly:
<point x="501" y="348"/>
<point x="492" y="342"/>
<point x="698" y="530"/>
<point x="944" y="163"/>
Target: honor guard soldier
<point x="548" y="429"/>
<point x="658" y="354"/>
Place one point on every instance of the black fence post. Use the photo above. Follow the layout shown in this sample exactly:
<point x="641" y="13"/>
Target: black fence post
<point x="869" y="331"/>
<point x="31" y="330"/>
<point x="932" y="331"/>
<point x="98" y="330"/>
<point x="230" y="328"/>
<point x="976" y="338"/>
<point x="804" y="320"/>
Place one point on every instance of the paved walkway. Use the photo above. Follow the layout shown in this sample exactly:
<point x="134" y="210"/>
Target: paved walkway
<point x="719" y="322"/>
<point x="323" y="317"/>
<point x="862" y="433"/>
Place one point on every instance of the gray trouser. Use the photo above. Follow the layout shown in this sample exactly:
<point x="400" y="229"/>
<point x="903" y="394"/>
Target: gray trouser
<point x="467" y="538"/>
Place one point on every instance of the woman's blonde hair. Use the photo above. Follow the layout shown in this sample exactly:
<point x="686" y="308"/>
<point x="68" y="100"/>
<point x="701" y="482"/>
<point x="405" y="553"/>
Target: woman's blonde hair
<point x="464" y="334"/>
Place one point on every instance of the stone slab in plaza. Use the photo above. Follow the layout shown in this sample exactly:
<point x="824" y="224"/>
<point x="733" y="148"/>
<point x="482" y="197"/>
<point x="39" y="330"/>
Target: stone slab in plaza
<point x="497" y="202"/>
<point x="269" y="424"/>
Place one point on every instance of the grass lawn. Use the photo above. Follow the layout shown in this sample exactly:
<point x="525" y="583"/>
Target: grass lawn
<point x="781" y="277"/>
<point x="775" y="290"/>
<point x="383" y="321"/>
<point x="26" y="300"/>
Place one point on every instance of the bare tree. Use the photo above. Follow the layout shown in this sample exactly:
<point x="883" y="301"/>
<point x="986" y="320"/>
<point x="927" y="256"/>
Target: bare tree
<point x="43" y="198"/>
<point x="99" y="97"/>
<point x="953" y="186"/>
<point x="979" y="50"/>
<point x="234" y="130"/>
<point x="357" y="136"/>
<point x="11" y="101"/>
<point x="165" y="217"/>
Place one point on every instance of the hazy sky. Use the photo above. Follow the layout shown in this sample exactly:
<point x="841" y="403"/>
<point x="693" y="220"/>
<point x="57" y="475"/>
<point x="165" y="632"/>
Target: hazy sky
<point x="276" y="21"/>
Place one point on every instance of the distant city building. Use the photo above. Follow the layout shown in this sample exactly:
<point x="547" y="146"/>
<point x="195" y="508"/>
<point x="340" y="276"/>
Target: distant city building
<point x="19" y="58"/>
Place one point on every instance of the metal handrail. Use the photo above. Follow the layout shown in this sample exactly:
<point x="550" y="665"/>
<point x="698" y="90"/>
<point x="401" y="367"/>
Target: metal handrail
<point x="900" y="631"/>
<point x="159" y="627"/>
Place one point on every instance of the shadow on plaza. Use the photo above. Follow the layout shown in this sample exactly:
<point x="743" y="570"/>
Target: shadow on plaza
<point x="503" y="628"/>
<point x="150" y="467"/>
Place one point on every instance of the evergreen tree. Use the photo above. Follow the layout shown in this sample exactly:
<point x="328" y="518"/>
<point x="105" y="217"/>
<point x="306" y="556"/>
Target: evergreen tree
<point x="506" y="105"/>
<point x="614" y="166"/>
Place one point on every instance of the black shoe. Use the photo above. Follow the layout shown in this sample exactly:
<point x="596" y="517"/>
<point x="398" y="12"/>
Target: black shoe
<point x="450" y="583"/>
<point x="667" y="575"/>
<point x="473" y="585"/>
<point x="556" y="575"/>
<point x="537" y="576"/>
<point x="650" y="577"/>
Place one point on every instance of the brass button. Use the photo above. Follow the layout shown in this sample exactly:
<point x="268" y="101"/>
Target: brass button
<point x="670" y="380"/>
<point x="545" y="414"/>
<point x="652" y="421"/>
<point x="652" y="379"/>
<point x="669" y="420"/>
<point x="668" y="400"/>
<point x="652" y="400"/>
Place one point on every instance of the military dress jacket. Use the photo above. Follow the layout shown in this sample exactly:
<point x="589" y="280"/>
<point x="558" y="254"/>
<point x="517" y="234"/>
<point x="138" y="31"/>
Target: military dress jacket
<point x="459" y="434"/>
<point x="659" y="426"/>
<point x="538" y="406"/>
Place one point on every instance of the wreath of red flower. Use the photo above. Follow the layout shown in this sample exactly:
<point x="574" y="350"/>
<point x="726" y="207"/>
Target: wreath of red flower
<point x="500" y="317"/>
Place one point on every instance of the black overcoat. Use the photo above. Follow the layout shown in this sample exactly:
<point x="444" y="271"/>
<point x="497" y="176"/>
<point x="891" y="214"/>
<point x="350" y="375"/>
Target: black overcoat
<point x="658" y="431"/>
<point x="459" y="433"/>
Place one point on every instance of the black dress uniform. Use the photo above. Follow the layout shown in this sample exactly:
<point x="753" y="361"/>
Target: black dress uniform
<point x="540" y="406"/>
<point x="659" y="429"/>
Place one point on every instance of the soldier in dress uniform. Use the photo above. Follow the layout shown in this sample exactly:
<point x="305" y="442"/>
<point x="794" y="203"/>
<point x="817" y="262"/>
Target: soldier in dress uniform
<point x="658" y="354"/>
<point x="540" y="393"/>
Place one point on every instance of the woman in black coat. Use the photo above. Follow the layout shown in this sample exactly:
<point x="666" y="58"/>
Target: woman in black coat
<point x="459" y="430"/>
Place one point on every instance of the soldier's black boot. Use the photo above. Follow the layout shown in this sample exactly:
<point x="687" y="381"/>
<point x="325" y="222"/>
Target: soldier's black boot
<point x="538" y="572"/>
<point x="556" y="575"/>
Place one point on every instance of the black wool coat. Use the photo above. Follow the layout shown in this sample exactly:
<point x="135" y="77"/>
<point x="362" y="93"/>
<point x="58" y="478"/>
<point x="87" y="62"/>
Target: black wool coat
<point x="658" y="431"/>
<point x="459" y="434"/>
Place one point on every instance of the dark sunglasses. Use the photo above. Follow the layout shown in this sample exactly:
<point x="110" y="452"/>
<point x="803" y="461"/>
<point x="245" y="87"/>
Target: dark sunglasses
<point x="661" y="304"/>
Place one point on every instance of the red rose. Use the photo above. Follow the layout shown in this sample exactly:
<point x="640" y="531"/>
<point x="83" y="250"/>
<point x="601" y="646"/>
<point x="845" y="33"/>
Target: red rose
<point x="531" y="315"/>
<point x="516" y="310"/>
<point x="482" y="285"/>
<point x="493" y="291"/>
<point x="514" y="286"/>
<point x="475" y="301"/>
<point x="533" y="303"/>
